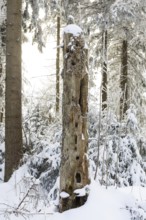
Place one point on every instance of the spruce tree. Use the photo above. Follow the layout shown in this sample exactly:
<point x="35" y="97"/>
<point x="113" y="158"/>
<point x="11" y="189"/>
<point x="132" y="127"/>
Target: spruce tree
<point x="13" y="116"/>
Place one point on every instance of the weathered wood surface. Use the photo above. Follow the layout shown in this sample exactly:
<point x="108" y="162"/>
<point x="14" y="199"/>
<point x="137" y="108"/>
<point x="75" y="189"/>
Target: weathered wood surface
<point x="74" y="163"/>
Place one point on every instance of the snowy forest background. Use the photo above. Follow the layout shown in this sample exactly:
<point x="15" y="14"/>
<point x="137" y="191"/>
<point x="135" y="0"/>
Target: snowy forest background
<point x="116" y="116"/>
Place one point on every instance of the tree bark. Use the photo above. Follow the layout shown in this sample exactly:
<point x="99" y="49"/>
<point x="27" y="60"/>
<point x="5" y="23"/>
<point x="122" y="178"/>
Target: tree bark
<point x="124" y="79"/>
<point x="58" y="66"/>
<point x="13" y="127"/>
<point x="74" y="163"/>
<point x="104" y="71"/>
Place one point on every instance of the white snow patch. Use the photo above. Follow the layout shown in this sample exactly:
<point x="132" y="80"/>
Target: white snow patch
<point x="80" y="192"/>
<point x="37" y="182"/>
<point x="86" y="46"/>
<point x="102" y="203"/>
<point x="83" y="138"/>
<point x="73" y="29"/>
<point x="71" y="17"/>
<point x="64" y="195"/>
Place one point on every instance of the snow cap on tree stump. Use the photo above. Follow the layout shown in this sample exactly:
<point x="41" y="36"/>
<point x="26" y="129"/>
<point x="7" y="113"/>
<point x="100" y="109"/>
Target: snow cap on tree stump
<point x="73" y="29"/>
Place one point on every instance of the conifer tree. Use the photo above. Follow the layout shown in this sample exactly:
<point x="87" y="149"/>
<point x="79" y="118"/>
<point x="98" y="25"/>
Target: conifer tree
<point x="13" y="116"/>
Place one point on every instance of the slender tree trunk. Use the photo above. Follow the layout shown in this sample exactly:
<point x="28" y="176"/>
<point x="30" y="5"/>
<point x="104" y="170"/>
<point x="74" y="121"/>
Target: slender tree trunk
<point x="74" y="164"/>
<point x="58" y="66"/>
<point x="13" y="129"/>
<point x="1" y="92"/>
<point x="2" y="68"/>
<point x="1" y="115"/>
<point x="124" y="79"/>
<point x="104" y="70"/>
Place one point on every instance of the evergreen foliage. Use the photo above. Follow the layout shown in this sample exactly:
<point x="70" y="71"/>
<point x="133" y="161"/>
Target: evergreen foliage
<point x="120" y="162"/>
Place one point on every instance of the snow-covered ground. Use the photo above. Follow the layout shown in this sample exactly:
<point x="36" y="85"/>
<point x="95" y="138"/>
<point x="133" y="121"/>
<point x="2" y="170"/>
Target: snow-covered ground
<point x="20" y="199"/>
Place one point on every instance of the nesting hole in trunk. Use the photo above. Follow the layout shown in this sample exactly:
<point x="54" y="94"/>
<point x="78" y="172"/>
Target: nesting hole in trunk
<point x="73" y="63"/>
<point x="75" y="139"/>
<point x="78" y="178"/>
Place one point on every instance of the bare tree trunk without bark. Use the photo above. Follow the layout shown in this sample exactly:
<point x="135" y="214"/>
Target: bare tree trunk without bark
<point x="74" y="163"/>
<point x="13" y="129"/>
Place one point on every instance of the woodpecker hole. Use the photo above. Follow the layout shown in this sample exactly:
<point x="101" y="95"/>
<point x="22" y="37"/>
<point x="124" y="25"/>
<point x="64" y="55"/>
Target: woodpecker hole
<point x="73" y="63"/>
<point x="78" y="178"/>
<point x="75" y="139"/>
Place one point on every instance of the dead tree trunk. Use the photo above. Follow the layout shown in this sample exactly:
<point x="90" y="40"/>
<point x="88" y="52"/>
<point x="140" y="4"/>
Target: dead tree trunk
<point x="58" y="66"/>
<point x="104" y="70"/>
<point x="74" y="163"/>
<point x="124" y="79"/>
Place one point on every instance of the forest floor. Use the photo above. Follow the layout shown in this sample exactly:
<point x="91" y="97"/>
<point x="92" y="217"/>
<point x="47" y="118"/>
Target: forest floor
<point x="19" y="199"/>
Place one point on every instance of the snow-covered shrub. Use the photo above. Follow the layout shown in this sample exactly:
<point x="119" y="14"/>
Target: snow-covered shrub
<point x="124" y="163"/>
<point x="44" y="161"/>
<point x="93" y="123"/>
<point x="45" y="166"/>
<point x="120" y="162"/>
<point x="137" y="212"/>
<point x="35" y="125"/>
